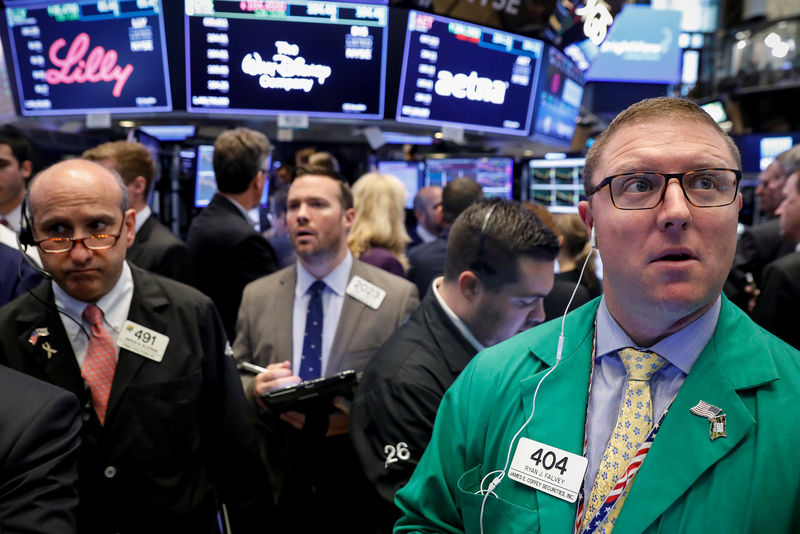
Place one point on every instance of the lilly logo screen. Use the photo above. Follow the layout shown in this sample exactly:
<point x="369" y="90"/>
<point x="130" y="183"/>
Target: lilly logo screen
<point x="90" y="56"/>
<point x="461" y="74"/>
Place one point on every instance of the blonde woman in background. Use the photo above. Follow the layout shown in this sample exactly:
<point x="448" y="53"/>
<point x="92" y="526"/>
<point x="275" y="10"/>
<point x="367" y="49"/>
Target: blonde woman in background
<point x="378" y="235"/>
<point x="574" y="248"/>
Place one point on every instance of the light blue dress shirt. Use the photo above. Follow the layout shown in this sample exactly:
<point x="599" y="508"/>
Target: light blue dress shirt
<point x="680" y="349"/>
<point x="332" y="300"/>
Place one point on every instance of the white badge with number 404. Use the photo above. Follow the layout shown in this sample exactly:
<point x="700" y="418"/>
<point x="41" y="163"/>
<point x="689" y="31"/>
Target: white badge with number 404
<point x="143" y="341"/>
<point x="545" y="468"/>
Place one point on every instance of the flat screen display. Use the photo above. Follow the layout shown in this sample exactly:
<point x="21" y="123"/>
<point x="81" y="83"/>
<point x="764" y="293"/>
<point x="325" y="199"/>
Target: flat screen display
<point x="641" y="46"/>
<point x="83" y="57"/>
<point x="559" y="99"/>
<point x="409" y="172"/>
<point x="464" y="75"/>
<point x="495" y="175"/>
<point x="558" y="184"/>
<point x="205" y="183"/>
<point x="322" y="59"/>
<point x="7" y="110"/>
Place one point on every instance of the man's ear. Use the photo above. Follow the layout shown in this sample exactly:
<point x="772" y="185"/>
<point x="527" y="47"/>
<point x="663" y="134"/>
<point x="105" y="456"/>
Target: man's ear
<point x="138" y="185"/>
<point x="129" y="228"/>
<point x="26" y="168"/>
<point x="349" y="215"/>
<point x="469" y="285"/>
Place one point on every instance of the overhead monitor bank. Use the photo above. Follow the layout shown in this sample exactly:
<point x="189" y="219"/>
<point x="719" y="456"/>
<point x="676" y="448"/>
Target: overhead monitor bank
<point x="460" y="74"/>
<point x="83" y="57"/>
<point x="322" y="59"/>
<point x="558" y="100"/>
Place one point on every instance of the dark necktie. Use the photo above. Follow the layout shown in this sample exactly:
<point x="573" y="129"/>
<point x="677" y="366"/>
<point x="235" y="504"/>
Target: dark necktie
<point x="311" y="361"/>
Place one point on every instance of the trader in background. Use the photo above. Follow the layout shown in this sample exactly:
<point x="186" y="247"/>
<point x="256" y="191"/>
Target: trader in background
<point x="762" y="243"/>
<point x="427" y="259"/>
<point x="659" y="399"/>
<point x="779" y="300"/>
<point x="428" y="212"/>
<point x="326" y="314"/>
<point x="155" y="247"/>
<point x="498" y="269"/>
<point x="165" y="439"/>
<point x="228" y="251"/>
<point x="15" y="169"/>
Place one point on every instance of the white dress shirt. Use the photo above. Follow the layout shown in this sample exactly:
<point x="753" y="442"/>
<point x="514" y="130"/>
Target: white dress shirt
<point x="457" y="322"/>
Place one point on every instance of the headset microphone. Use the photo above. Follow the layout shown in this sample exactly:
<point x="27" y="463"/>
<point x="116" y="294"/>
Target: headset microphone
<point x="25" y="235"/>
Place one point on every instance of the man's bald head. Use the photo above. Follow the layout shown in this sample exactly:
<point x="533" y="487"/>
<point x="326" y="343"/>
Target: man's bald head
<point x="76" y="170"/>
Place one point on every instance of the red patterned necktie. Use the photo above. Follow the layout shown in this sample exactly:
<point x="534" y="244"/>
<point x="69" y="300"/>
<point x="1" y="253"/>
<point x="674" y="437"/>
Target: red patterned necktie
<point x="100" y="362"/>
<point x="4" y="222"/>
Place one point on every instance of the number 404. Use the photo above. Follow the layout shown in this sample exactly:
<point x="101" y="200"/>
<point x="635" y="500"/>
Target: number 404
<point x="548" y="460"/>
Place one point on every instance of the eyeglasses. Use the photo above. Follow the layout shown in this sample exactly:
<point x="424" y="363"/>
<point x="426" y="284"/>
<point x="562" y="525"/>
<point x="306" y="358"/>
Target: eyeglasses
<point x="704" y="188"/>
<point x="59" y="245"/>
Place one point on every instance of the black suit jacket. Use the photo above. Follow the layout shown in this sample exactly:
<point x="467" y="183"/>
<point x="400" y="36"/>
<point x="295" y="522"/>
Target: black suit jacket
<point x="11" y="284"/>
<point x="39" y="437"/>
<point x="779" y="302"/>
<point x="157" y="250"/>
<point x="758" y="246"/>
<point x="176" y="436"/>
<point x="229" y="254"/>
<point x="399" y="394"/>
<point x="427" y="262"/>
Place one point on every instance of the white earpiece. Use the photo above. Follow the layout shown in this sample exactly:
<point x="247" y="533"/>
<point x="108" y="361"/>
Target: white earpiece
<point x="593" y="238"/>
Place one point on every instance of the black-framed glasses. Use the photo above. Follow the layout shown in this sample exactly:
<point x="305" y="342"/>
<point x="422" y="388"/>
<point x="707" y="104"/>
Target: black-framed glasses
<point x="704" y="188"/>
<point x="59" y="245"/>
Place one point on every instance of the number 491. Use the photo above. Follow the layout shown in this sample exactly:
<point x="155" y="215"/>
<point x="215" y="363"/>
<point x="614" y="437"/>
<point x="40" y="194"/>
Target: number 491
<point x="549" y="461"/>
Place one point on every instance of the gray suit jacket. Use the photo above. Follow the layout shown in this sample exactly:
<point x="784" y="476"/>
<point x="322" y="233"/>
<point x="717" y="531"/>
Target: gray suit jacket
<point x="264" y="325"/>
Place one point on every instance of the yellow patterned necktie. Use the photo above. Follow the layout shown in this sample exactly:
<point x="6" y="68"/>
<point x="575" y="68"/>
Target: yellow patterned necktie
<point x="634" y="422"/>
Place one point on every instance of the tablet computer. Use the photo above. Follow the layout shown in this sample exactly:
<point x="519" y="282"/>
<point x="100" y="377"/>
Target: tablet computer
<point x="313" y="395"/>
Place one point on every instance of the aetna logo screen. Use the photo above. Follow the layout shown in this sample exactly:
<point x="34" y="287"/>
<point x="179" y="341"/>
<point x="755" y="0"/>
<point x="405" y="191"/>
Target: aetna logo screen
<point x="461" y="74"/>
<point x="90" y="57"/>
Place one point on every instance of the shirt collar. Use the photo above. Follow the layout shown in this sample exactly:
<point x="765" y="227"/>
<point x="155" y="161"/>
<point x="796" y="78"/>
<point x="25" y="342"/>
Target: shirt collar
<point x="681" y="349"/>
<point x="424" y="234"/>
<point x="141" y="217"/>
<point x="115" y="304"/>
<point x="459" y="324"/>
<point x="336" y="280"/>
<point x="241" y="209"/>
<point x="13" y="217"/>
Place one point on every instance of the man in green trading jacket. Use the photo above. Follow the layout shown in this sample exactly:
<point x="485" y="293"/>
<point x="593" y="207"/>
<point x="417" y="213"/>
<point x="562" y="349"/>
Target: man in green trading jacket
<point x="720" y="453"/>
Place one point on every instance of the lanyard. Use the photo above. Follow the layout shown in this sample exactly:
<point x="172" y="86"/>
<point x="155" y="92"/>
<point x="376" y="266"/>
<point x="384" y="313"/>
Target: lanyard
<point x="626" y="478"/>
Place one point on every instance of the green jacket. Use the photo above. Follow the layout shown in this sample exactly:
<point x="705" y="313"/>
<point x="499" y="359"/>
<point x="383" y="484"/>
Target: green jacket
<point x="748" y="482"/>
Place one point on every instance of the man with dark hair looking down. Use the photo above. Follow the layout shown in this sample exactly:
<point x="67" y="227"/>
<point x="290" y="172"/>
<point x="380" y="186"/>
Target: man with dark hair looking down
<point x="498" y="269"/>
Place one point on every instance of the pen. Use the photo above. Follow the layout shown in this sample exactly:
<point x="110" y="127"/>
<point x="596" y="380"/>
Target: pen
<point x="251" y="368"/>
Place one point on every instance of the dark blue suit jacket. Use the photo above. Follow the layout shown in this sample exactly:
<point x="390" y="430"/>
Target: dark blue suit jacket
<point x="229" y="254"/>
<point x="39" y="442"/>
<point x="427" y="262"/>
<point x="11" y="284"/>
